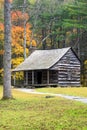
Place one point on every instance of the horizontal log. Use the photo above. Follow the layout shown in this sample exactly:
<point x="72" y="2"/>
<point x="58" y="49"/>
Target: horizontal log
<point x="68" y="82"/>
<point x="66" y="78"/>
<point x="74" y="65"/>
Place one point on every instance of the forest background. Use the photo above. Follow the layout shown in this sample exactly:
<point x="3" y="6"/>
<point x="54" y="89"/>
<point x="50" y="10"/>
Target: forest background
<point x="46" y="24"/>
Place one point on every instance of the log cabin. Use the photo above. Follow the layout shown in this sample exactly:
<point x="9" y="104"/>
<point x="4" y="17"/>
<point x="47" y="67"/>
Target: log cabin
<point x="56" y="67"/>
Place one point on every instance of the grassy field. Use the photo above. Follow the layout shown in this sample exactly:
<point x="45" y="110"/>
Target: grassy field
<point x="36" y="112"/>
<point x="75" y="91"/>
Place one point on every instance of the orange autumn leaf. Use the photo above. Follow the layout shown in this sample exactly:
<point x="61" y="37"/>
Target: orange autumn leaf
<point x="10" y="1"/>
<point x="18" y="17"/>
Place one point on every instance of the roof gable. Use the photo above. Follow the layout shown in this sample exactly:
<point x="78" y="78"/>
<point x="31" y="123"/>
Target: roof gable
<point x="42" y="59"/>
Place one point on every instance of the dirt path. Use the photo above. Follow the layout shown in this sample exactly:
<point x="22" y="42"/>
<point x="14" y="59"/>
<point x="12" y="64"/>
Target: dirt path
<point x="76" y="98"/>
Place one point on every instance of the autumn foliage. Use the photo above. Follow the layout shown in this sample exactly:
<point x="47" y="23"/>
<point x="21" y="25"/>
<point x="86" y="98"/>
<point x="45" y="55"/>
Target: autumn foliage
<point x="18" y="18"/>
<point x="17" y="43"/>
<point x="17" y="38"/>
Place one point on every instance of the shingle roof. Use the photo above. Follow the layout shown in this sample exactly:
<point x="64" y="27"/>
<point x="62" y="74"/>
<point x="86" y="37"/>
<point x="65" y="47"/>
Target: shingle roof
<point x="42" y="59"/>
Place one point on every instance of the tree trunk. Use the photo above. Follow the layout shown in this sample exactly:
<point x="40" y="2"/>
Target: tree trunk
<point x="7" y="51"/>
<point x="24" y="30"/>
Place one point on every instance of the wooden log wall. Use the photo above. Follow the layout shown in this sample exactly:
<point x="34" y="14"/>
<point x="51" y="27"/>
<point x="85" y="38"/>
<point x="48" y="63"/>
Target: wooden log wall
<point x="53" y="77"/>
<point x="68" y="70"/>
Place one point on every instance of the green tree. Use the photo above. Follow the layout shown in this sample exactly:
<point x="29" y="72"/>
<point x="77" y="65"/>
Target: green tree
<point x="77" y="20"/>
<point x="45" y="19"/>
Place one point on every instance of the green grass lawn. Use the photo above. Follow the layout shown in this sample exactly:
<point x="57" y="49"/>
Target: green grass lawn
<point x="74" y="91"/>
<point x="36" y="112"/>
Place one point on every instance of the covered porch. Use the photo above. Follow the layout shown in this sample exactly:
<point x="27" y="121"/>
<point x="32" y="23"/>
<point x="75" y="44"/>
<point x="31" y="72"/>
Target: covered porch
<point x="39" y="78"/>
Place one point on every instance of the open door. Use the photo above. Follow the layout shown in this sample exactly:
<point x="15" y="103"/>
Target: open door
<point x="39" y="77"/>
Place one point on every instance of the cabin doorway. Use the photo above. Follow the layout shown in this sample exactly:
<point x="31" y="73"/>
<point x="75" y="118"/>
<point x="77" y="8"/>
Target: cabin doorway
<point x="39" y="77"/>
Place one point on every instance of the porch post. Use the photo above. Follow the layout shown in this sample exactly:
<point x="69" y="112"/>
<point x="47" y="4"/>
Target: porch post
<point x="47" y="76"/>
<point x="32" y="77"/>
<point x="14" y="79"/>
